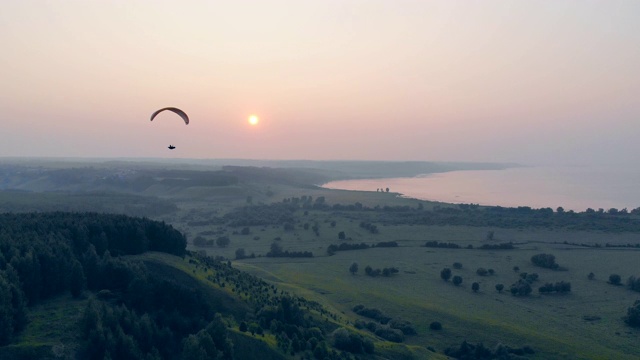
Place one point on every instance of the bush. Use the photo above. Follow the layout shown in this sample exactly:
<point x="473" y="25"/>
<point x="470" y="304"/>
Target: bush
<point x="371" y="313"/>
<point x="223" y="241"/>
<point x="345" y="340"/>
<point x="591" y="276"/>
<point x="457" y="280"/>
<point x="390" y="334"/>
<point x="436" y="325"/>
<point x="482" y="272"/>
<point x="546" y="261"/>
<point x="475" y="287"/>
<point x="445" y="274"/>
<point x="633" y="283"/>
<point x="403" y="325"/>
<point x="457" y="265"/>
<point x="614" y="279"/>
<point x="520" y="288"/>
<point x="633" y="315"/>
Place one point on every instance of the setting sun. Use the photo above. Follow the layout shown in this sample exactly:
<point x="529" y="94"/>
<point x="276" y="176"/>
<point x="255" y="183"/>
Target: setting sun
<point x="253" y="120"/>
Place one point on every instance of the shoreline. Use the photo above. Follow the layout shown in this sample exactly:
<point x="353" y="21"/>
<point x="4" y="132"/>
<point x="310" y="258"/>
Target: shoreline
<point x="576" y="189"/>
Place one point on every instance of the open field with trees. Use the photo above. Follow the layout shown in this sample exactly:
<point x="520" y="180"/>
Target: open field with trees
<point x="535" y="283"/>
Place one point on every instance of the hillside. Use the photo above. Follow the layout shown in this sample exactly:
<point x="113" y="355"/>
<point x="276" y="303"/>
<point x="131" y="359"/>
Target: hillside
<point x="95" y="282"/>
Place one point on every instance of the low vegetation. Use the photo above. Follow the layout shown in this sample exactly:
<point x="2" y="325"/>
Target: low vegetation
<point x="262" y="271"/>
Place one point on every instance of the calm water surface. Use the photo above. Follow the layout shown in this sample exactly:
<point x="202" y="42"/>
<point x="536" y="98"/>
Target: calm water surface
<point x="573" y="188"/>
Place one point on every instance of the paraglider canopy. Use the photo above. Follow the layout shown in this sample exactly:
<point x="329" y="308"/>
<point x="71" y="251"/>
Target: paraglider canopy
<point x="171" y="147"/>
<point x="181" y="113"/>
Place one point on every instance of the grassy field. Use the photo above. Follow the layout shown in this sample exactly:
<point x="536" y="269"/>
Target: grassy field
<point x="584" y="324"/>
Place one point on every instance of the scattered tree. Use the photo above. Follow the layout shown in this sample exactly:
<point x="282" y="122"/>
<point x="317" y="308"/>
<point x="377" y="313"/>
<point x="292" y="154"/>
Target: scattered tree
<point x="499" y="287"/>
<point x="633" y="283"/>
<point x="633" y="315"/>
<point x="591" y="276"/>
<point x="475" y="287"/>
<point x="445" y="274"/>
<point x="223" y="241"/>
<point x="457" y="280"/>
<point x="614" y="279"/>
<point x="457" y="265"/>
<point x="353" y="269"/>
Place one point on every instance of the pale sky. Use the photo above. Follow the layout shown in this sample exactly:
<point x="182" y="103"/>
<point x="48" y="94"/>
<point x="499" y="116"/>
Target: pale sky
<point x="534" y="82"/>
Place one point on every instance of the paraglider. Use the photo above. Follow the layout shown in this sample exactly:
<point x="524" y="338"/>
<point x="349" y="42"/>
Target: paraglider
<point x="181" y="113"/>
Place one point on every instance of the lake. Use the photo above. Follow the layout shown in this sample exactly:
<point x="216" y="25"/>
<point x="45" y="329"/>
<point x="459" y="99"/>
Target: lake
<point x="573" y="188"/>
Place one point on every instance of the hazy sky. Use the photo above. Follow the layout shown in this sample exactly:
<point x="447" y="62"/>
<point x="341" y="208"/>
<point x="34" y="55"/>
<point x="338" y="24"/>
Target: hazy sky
<point x="527" y="81"/>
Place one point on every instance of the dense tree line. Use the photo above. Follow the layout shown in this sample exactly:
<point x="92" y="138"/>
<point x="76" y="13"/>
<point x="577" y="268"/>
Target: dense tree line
<point x="503" y="246"/>
<point x="501" y="217"/>
<point x="45" y="254"/>
<point x="559" y="287"/>
<point x="276" y="251"/>
<point x="386" y="244"/>
<point x="447" y="245"/>
<point x="384" y="326"/>
<point x="369" y="271"/>
<point x="468" y="351"/>
<point x="333" y="248"/>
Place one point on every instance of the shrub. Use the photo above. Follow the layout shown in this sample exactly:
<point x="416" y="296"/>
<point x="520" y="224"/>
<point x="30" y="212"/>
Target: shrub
<point x="520" y="288"/>
<point x="633" y="315"/>
<point x="223" y="241"/>
<point x="390" y="334"/>
<point x="345" y="340"/>
<point x="633" y="283"/>
<point x="403" y="325"/>
<point x="475" y="287"/>
<point x="482" y="272"/>
<point x="591" y="276"/>
<point x="445" y="274"/>
<point x="436" y="325"/>
<point x="545" y="260"/>
<point x="614" y="279"/>
<point x="457" y="280"/>
<point x="457" y="265"/>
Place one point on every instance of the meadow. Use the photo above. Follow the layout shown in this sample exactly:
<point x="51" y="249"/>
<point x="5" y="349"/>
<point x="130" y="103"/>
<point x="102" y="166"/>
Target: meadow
<point x="586" y="323"/>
